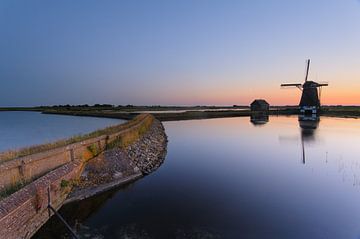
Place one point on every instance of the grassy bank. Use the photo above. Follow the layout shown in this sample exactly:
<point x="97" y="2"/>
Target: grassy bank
<point x="173" y="116"/>
<point x="204" y="114"/>
<point x="120" y="108"/>
<point x="21" y="109"/>
<point x="182" y="112"/>
<point x="121" y="135"/>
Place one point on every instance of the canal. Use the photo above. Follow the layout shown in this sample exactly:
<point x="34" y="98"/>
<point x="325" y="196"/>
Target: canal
<point x="233" y="178"/>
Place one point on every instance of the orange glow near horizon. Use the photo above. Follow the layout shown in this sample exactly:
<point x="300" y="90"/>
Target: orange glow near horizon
<point x="343" y="89"/>
<point x="273" y="96"/>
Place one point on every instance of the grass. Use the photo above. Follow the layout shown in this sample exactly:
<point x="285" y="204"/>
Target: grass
<point x="129" y="135"/>
<point x="94" y="149"/>
<point x="338" y="111"/>
<point x="64" y="183"/>
<point x="189" y="114"/>
<point x="124" y="140"/>
<point x="342" y="108"/>
<point x="10" y="190"/>
<point x="21" y="109"/>
<point x="12" y="154"/>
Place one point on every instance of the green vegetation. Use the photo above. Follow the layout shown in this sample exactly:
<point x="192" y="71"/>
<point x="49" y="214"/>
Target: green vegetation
<point x="128" y="112"/>
<point x="341" y="111"/>
<point x="10" y="190"/>
<point x="21" y="109"/>
<point x="197" y="112"/>
<point x="342" y="108"/>
<point x="118" y="108"/>
<point x="124" y="140"/>
<point x="64" y="183"/>
<point x="128" y="134"/>
<point x="94" y="149"/>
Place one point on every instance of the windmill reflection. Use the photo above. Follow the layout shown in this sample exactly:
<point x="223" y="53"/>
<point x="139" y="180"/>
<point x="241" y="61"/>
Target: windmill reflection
<point x="308" y="125"/>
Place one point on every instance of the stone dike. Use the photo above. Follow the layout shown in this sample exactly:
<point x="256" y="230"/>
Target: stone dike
<point x="77" y="171"/>
<point x="118" y="166"/>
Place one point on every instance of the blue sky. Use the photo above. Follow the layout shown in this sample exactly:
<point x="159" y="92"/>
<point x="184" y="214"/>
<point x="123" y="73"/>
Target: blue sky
<point x="176" y="52"/>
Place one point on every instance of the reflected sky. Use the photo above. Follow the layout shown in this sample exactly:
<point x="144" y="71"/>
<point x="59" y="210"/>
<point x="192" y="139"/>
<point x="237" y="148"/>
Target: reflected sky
<point x="22" y="129"/>
<point x="226" y="178"/>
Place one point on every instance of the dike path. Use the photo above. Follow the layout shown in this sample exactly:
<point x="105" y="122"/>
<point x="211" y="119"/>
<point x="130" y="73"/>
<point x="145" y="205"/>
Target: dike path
<point x="108" y="158"/>
<point x="119" y="166"/>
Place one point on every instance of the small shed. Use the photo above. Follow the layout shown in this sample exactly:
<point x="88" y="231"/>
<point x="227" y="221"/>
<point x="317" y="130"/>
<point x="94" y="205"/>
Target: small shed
<point x="259" y="105"/>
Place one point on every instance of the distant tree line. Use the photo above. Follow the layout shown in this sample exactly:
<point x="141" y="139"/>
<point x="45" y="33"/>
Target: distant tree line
<point x="68" y="106"/>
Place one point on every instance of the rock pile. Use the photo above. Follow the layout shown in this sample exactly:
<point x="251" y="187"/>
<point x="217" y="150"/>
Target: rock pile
<point x="115" y="166"/>
<point x="149" y="152"/>
<point x="112" y="165"/>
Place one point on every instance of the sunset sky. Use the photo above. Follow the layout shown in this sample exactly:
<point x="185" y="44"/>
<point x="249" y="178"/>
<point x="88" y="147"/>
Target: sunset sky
<point x="185" y="52"/>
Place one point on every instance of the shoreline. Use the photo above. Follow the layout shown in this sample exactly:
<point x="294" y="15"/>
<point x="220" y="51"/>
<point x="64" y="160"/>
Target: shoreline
<point x="132" y="150"/>
<point x="174" y="113"/>
<point x="199" y="115"/>
<point x="120" y="166"/>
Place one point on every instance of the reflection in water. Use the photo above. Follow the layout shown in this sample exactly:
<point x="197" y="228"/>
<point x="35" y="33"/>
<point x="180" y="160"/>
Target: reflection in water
<point x="225" y="178"/>
<point x="77" y="212"/>
<point x="308" y="125"/>
<point x="21" y="129"/>
<point x="259" y="119"/>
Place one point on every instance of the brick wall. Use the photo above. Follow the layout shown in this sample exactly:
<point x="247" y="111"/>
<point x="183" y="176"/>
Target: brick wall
<point x="25" y="211"/>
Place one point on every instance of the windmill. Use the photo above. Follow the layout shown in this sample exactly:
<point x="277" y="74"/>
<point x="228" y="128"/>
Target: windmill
<point x="310" y="98"/>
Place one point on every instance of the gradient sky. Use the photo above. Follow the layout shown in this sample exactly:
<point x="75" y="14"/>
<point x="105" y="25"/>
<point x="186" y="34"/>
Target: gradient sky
<point x="185" y="52"/>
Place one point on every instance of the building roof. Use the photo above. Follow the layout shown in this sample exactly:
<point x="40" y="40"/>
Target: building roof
<point x="260" y="102"/>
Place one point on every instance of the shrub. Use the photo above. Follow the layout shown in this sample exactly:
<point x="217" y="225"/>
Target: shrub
<point x="94" y="149"/>
<point x="64" y="183"/>
<point x="10" y="190"/>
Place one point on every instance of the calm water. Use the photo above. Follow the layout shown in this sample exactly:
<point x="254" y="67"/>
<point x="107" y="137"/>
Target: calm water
<point x="20" y="129"/>
<point x="229" y="178"/>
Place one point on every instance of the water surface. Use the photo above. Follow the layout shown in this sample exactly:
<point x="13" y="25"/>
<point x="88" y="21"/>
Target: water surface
<point x="21" y="129"/>
<point x="230" y="178"/>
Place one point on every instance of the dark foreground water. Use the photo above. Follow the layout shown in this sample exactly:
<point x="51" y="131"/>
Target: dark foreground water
<point x="20" y="129"/>
<point x="228" y="178"/>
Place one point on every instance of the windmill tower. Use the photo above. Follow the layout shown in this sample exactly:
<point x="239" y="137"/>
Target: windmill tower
<point x="310" y="98"/>
<point x="308" y="126"/>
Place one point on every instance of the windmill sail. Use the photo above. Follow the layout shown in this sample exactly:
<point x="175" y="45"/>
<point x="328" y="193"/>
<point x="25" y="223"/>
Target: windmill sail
<point x="307" y="70"/>
<point x="291" y="84"/>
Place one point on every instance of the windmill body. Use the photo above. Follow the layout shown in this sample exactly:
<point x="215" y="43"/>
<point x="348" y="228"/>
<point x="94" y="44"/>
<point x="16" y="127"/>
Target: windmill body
<point x="311" y="93"/>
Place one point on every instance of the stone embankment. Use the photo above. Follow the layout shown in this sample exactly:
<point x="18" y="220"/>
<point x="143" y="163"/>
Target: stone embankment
<point x="119" y="166"/>
<point x="121" y="155"/>
<point x="147" y="153"/>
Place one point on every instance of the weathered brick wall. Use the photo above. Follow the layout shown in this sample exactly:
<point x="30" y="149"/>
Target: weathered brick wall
<point x="25" y="211"/>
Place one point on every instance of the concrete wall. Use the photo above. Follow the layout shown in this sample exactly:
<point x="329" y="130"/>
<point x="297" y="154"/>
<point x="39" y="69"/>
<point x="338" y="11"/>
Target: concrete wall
<point x="25" y="211"/>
